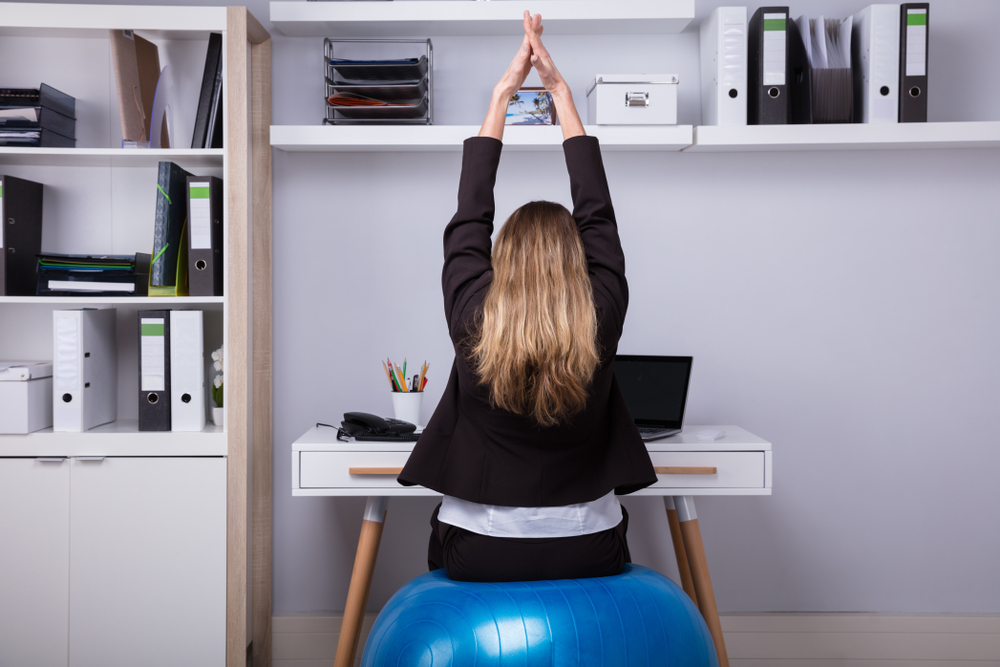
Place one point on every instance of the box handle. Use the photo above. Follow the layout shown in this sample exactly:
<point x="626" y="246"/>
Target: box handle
<point x="637" y="99"/>
<point x="682" y="470"/>
<point x="374" y="471"/>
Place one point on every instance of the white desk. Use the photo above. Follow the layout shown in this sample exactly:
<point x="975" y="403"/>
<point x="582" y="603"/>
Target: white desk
<point x="739" y="464"/>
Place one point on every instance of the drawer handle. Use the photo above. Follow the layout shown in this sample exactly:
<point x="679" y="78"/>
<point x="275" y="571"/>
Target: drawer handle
<point x="374" y="471"/>
<point x="685" y="470"/>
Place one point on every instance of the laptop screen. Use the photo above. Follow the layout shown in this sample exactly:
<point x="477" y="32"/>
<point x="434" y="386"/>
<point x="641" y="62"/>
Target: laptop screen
<point x="655" y="388"/>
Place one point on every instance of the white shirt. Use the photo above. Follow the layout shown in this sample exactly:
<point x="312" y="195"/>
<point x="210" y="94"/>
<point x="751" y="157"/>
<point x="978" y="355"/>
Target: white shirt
<point x="503" y="521"/>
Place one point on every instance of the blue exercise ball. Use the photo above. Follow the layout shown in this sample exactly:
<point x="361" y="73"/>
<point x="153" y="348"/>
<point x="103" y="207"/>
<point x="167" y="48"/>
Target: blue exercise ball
<point x="635" y="618"/>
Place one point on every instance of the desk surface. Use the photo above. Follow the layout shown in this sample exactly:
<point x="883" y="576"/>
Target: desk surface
<point x="321" y="465"/>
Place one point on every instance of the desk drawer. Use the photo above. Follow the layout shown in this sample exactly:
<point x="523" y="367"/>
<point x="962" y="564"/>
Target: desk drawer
<point x="331" y="470"/>
<point x="693" y="469"/>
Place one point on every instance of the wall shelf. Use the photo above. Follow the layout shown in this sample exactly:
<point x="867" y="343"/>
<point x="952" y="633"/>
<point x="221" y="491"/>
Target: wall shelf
<point x="189" y="158"/>
<point x="25" y="19"/>
<point x="133" y="300"/>
<point x="119" y="438"/>
<point x="449" y="138"/>
<point x="842" y="137"/>
<point x="440" y="17"/>
<point x="664" y="138"/>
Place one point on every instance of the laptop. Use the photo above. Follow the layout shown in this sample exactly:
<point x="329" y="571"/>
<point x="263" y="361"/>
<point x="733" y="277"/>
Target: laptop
<point x="655" y="391"/>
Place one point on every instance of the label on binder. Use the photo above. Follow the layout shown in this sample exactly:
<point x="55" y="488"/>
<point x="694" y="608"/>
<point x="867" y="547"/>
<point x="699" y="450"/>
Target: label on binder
<point x="774" y="49"/>
<point x="67" y="353"/>
<point x="153" y="354"/>
<point x="916" y="42"/>
<point x="734" y="50"/>
<point x="201" y="217"/>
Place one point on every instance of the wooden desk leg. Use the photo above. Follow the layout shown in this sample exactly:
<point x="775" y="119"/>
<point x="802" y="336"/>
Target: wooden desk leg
<point x="699" y="571"/>
<point x="361" y="580"/>
<point x="687" y="583"/>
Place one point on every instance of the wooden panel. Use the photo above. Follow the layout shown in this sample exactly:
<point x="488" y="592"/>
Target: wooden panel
<point x="238" y="351"/>
<point x="147" y="562"/>
<point x="261" y="563"/>
<point x="34" y="562"/>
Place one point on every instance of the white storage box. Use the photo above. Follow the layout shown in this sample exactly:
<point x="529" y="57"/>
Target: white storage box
<point x="25" y="396"/>
<point x="633" y="99"/>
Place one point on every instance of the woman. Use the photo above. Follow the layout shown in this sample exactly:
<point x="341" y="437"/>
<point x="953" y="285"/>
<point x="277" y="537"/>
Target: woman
<point x="532" y="439"/>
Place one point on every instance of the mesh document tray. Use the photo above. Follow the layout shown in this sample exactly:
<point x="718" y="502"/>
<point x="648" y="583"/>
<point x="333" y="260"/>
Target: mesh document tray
<point x="382" y="91"/>
<point x="407" y="69"/>
<point x="407" y="109"/>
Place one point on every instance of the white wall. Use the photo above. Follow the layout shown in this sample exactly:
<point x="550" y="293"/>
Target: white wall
<point x="845" y="306"/>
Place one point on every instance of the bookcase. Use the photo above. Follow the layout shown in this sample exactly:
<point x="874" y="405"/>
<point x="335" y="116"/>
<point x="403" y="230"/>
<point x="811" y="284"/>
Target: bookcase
<point x="142" y="548"/>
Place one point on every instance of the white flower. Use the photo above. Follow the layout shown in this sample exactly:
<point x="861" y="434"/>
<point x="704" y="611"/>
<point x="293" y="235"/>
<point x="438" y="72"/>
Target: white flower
<point x="217" y="355"/>
<point x="218" y="381"/>
<point x="218" y="365"/>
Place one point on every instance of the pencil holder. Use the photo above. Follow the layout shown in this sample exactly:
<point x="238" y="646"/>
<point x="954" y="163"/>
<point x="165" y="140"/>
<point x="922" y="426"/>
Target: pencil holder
<point x="406" y="406"/>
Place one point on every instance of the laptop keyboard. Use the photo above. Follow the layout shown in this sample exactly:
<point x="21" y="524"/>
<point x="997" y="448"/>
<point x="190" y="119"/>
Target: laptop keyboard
<point x="649" y="430"/>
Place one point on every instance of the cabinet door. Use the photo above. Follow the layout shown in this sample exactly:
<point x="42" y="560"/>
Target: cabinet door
<point x="148" y="562"/>
<point x="34" y="562"/>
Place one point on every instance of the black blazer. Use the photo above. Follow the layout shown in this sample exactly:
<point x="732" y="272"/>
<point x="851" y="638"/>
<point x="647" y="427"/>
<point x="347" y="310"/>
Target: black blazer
<point x="478" y="453"/>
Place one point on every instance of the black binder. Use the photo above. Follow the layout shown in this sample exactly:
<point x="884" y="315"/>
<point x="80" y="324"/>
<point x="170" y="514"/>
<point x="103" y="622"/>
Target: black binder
<point x="768" y="87"/>
<point x="211" y="81"/>
<point x="20" y="234"/>
<point x="204" y="236"/>
<point x="168" y="271"/>
<point x="154" y="370"/>
<point x="914" y="30"/>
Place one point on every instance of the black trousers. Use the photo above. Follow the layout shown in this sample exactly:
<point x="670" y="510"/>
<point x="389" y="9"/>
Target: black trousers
<point x="468" y="556"/>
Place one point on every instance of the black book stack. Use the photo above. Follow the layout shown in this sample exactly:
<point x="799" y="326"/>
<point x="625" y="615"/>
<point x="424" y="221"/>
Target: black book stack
<point x="41" y="117"/>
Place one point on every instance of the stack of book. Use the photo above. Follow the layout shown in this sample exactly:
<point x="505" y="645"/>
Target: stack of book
<point x="85" y="275"/>
<point x="40" y="116"/>
<point x="378" y="91"/>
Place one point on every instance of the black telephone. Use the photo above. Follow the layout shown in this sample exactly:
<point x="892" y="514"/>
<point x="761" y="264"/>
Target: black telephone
<point x="366" y="427"/>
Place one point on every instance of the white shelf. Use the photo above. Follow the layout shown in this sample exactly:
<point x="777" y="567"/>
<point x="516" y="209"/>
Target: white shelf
<point x="29" y="19"/>
<point x="697" y="139"/>
<point x="843" y="137"/>
<point x="441" y="17"/>
<point x="119" y="438"/>
<point x="189" y="158"/>
<point x="136" y="300"/>
<point x="435" y="138"/>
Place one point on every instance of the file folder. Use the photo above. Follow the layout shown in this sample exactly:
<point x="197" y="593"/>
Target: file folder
<point x="724" y="67"/>
<point x="84" y="369"/>
<point x="875" y="53"/>
<point x="768" y="93"/>
<point x="210" y="96"/>
<point x="154" y="370"/>
<point x="187" y="370"/>
<point x="168" y="270"/>
<point x="20" y="234"/>
<point x="913" y="39"/>
<point x="205" y="237"/>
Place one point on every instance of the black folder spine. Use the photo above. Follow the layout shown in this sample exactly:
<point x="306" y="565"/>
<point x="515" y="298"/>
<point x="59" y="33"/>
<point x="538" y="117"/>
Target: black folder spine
<point x="768" y="99"/>
<point x="205" y="237"/>
<point x="171" y="213"/>
<point x="154" y="370"/>
<point x="20" y="235"/>
<point x="914" y="31"/>
<point x="213" y="67"/>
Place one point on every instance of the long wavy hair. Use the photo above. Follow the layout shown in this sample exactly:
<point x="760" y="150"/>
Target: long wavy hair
<point x="535" y="340"/>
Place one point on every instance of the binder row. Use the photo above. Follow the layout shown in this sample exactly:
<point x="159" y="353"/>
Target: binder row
<point x="171" y="370"/>
<point x="758" y="72"/>
<point x="187" y="245"/>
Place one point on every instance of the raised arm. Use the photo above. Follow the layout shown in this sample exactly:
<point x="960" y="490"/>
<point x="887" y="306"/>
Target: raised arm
<point x="562" y="96"/>
<point x="509" y="83"/>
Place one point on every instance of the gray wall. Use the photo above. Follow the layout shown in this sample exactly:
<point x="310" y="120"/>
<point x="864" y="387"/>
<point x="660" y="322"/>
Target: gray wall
<point x="845" y="306"/>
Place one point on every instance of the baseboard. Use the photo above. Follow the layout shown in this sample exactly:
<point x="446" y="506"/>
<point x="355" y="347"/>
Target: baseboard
<point x="752" y="640"/>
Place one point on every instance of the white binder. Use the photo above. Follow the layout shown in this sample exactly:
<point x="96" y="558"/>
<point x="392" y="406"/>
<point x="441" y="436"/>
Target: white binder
<point x="84" y="369"/>
<point x="875" y="54"/>
<point x="724" y="67"/>
<point x="187" y="371"/>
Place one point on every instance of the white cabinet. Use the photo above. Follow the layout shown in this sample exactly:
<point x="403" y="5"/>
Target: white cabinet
<point x="113" y="561"/>
<point x="34" y="562"/>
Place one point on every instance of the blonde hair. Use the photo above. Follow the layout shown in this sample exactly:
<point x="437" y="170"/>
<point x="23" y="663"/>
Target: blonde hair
<point x="535" y="340"/>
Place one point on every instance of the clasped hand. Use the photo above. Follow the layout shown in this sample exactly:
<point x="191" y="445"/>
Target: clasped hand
<point x="531" y="54"/>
